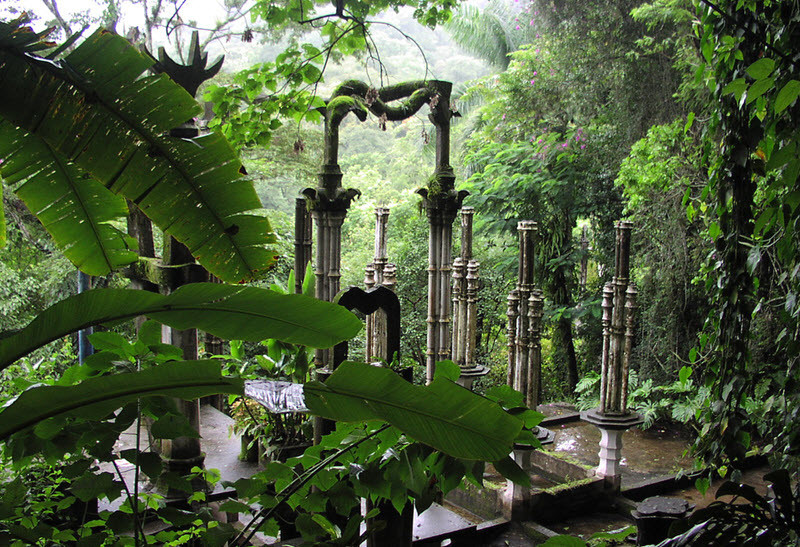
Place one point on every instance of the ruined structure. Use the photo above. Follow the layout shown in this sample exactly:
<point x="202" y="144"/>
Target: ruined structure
<point x="330" y="201"/>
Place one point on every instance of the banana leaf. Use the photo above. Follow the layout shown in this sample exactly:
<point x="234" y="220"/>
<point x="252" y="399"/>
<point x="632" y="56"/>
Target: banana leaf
<point x="98" y="110"/>
<point x="443" y="414"/>
<point x="76" y="209"/>
<point x="227" y="311"/>
<point x="97" y="397"/>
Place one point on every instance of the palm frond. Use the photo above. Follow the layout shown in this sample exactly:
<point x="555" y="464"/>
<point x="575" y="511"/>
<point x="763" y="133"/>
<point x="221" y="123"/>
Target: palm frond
<point x="481" y="33"/>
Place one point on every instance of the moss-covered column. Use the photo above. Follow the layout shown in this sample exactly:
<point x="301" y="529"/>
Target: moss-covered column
<point x="441" y="203"/>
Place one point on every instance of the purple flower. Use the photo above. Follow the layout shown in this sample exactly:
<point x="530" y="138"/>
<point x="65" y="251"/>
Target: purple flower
<point x="517" y="27"/>
<point x="533" y="82"/>
<point x="535" y="73"/>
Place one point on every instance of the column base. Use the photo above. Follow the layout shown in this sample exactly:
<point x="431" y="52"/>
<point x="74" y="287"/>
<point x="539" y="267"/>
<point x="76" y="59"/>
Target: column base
<point x="517" y="499"/>
<point x="470" y="374"/>
<point x="183" y="467"/>
<point x="612" y="427"/>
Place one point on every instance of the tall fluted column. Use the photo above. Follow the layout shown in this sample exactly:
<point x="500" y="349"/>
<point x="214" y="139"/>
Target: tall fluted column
<point x="369" y="325"/>
<point x="376" y="322"/>
<point x="459" y="311"/>
<point x="512" y="313"/>
<point x="534" y="384"/>
<point x="471" y="319"/>
<point x="527" y="231"/>
<point x="612" y="417"/>
<point x="441" y="203"/>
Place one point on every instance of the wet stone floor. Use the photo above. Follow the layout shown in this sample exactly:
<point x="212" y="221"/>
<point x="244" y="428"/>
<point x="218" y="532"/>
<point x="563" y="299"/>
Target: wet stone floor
<point x="647" y="454"/>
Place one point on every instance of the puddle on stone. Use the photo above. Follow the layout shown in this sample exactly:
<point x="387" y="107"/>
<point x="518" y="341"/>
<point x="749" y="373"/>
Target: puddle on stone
<point x="646" y="454"/>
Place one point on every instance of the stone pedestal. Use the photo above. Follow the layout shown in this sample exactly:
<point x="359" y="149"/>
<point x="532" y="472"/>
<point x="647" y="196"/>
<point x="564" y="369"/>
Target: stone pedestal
<point x="469" y="375"/>
<point x="611" y="429"/>
<point x="517" y="500"/>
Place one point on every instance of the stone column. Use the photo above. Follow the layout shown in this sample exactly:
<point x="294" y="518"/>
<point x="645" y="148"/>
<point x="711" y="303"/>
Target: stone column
<point x="369" y="325"/>
<point x="390" y="276"/>
<point x="180" y="455"/>
<point x="535" y="313"/>
<point x="441" y="203"/>
<point x="441" y="213"/>
<point x="466" y="284"/>
<point x="376" y="322"/>
<point x="459" y="311"/>
<point x="471" y="369"/>
<point x="512" y="313"/>
<point x="302" y="243"/>
<point x="329" y="203"/>
<point x="612" y="417"/>
<point x="527" y="231"/>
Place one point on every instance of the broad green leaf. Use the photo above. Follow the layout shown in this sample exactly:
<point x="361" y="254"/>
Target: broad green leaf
<point x="227" y="311"/>
<point x="447" y="370"/>
<point x="761" y="68"/>
<point x="759" y="88"/>
<point x="702" y="484"/>
<point x="511" y="470"/>
<point x="792" y="199"/>
<point x="93" y="486"/>
<point x="787" y="95"/>
<point x="96" y="397"/>
<point x="737" y="87"/>
<point x="149" y="462"/>
<point x="112" y="120"/>
<point x="781" y="157"/>
<point x="76" y="209"/>
<point x="443" y="414"/>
